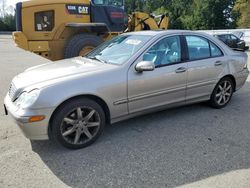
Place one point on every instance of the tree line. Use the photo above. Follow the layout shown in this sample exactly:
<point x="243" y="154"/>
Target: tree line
<point x="7" y="23"/>
<point x="183" y="14"/>
<point x="7" y="18"/>
<point x="197" y="14"/>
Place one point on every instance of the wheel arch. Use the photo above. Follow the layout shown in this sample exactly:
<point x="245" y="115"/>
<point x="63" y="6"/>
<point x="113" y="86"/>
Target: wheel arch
<point x="69" y="30"/>
<point x="95" y="98"/>
<point x="232" y="78"/>
<point x="100" y="28"/>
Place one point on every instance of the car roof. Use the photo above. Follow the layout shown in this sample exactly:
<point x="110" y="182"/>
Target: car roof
<point x="223" y="34"/>
<point x="157" y="32"/>
<point x="160" y="33"/>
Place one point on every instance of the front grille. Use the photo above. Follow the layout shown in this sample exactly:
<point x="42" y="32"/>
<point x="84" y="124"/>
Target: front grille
<point x="12" y="91"/>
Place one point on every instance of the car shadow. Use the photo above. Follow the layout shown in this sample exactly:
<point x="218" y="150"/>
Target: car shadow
<point x="163" y="149"/>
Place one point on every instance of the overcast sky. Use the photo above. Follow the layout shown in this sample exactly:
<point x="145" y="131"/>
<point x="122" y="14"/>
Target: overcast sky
<point x="13" y="2"/>
<point x="9" y="7"/>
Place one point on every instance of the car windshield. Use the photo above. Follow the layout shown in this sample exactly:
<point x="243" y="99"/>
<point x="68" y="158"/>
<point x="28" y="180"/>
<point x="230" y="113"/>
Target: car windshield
<point x="119" y="49"/>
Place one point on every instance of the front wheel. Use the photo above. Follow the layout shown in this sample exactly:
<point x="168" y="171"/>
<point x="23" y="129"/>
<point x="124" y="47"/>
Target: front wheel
<point x="78" y="123"/>
<point x="222" y="93"/>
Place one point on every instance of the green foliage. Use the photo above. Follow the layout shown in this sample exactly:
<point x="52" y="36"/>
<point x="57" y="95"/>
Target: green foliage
<point x="190" y="14"/>
<point x="7" y="23"/>
<point x="2" y="25"/>
<point x="210" y="14"/>
<point x="242" y="13"/>
<point x="183" y="14"/>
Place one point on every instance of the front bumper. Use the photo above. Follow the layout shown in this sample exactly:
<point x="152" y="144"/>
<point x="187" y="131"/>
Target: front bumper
<point x="34" y="130"/>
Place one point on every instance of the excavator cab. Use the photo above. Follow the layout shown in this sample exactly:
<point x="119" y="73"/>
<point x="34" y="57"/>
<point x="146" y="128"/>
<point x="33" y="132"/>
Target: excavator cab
<point x="110" y="12"/>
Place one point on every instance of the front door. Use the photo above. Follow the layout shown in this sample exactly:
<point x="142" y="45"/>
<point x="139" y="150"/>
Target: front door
<point x="166" y="84"/>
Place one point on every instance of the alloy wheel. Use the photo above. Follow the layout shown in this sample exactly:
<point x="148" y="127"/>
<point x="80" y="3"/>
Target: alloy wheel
<point x="224" y="92"/>
<point x="80" y="125"/>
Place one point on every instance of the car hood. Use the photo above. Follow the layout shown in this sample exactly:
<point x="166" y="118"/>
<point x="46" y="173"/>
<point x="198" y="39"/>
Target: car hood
<point x="238" y="34"/>
<point x="59" y="70"/>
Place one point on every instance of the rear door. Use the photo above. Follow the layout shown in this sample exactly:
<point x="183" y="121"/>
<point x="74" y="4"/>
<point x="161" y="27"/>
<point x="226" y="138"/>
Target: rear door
<point x="205" y="65"/>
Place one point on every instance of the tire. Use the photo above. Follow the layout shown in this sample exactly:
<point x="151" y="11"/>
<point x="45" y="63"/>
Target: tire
<point x="78" y="42"/>
<point x="78" y="123"/>
<point x="222" y="94"/>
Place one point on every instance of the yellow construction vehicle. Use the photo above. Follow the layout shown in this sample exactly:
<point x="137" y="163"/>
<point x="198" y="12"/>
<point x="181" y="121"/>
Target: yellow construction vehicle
<point x="58" y="29"/>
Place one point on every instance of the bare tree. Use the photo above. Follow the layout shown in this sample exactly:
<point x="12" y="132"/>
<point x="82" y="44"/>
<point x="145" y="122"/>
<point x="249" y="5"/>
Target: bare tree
<point x="10" y="10"/>
<point x="3" y="7"/>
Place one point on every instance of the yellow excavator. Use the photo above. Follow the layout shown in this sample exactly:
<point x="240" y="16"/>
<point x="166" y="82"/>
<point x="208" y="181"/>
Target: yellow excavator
<point x="59" y="29"/>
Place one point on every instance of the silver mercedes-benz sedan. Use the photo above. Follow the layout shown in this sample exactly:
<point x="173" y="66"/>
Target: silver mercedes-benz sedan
<point x="71" y="101"/>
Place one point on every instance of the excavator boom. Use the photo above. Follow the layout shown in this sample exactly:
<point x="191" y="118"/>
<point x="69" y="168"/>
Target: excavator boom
<point x="139" y="21"/>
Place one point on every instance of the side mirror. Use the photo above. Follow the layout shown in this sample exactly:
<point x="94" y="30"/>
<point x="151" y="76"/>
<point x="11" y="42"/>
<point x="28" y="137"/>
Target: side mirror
<point x="145" y="66"/>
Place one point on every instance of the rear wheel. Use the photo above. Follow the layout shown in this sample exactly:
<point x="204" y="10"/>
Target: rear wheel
<point x="222" y="93"/>
<point x="81" y="44"/>
<point x="78" y="123"/>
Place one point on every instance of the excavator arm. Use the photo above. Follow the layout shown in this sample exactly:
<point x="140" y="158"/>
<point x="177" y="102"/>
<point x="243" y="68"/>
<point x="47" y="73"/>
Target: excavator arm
<point x="139" y="21"/>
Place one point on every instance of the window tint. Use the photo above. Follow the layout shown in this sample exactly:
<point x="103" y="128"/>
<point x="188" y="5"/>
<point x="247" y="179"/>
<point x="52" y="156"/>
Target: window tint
<point x="215" y="51"/>
<point x="44" y="21"/>
<point x="165" y="52"/>
<point x="227" y="37"/>
<point x="223" y="36"/>
<point x="198" y="48"/>
<point x="233" y="37"/>
<point x="108" y="2"/>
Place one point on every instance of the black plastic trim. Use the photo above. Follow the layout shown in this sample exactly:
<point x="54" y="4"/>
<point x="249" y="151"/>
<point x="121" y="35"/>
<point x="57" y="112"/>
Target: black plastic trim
<point x="5" y="110"/>
<point x="19" y="26"/>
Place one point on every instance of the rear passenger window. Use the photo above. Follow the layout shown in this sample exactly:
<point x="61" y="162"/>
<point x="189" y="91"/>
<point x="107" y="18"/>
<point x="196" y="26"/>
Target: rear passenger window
<point x="198" y="48"/>
<point x="233" y="37"/>
<point x="215" y="51"/>
<point x="201" y="48"/>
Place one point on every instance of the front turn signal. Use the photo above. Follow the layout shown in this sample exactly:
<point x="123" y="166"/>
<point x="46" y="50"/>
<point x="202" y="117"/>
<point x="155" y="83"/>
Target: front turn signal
<point x="36" y="119"/>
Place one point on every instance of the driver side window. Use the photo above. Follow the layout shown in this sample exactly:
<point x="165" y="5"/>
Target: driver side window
<point x="165" y="52"/>
<point x="108" y="2"/>
<point x="98" y="2"/>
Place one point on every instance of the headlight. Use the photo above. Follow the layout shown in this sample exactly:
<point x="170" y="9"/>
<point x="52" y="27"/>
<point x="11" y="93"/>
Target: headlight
<point x="26" y="99"/>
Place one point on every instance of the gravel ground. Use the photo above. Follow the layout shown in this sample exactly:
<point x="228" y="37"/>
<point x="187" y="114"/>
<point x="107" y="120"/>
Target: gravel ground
<point x="193" y="146"/>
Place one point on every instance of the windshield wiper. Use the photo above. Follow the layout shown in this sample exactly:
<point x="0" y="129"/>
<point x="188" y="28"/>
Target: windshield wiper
<point x="97" y="59"/>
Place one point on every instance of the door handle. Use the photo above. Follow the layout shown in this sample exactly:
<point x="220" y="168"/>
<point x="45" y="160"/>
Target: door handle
<point x="218" y="63"/>
<point x="181" y="70"/>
